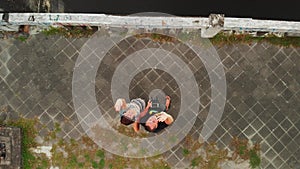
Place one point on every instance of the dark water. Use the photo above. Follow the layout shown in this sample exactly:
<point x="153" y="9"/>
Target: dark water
<point x="14" y="6"/>
<point x="257" y="9"/>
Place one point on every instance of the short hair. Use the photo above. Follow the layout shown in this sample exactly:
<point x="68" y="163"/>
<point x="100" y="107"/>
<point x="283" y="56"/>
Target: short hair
<point x="147" y="128"/>
<point x="126" y="121"/>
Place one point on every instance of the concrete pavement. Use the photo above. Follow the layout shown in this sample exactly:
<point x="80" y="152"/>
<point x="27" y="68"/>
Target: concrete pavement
<point x="262" y="103"/>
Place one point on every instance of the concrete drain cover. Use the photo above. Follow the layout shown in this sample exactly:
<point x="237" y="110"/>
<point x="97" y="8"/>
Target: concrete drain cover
<point x="10" y="148"/>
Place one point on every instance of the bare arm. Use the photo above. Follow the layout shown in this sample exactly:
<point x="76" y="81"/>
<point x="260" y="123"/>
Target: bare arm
<point x="123" y="104"/>
<point x="165" y="117"/>
<point x="120" y="104"/>
<point x="136" y="124"/>
<point x="169" y="119"/>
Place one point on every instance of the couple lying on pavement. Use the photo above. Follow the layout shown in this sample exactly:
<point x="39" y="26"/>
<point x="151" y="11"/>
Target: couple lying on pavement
<point x="153" y="117"/>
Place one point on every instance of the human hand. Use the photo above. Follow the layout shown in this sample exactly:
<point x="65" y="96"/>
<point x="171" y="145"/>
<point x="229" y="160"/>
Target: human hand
<point x="149" y="104"/>
<point x="161" y="117"/>
<point x="118" y="105"/>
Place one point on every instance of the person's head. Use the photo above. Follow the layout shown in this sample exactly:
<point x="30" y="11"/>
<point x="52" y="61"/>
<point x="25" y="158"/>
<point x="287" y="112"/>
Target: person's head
<point x="124" y="120"/>
<point x="128" y="117"/>
<point x="151" y="124"/>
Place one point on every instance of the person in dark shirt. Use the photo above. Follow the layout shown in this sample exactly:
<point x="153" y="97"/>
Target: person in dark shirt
<point x="153" y="118"/>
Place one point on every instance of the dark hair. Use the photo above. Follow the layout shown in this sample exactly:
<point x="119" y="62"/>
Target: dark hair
<point x="126" y="121"/>
<point x="147" y="128"/>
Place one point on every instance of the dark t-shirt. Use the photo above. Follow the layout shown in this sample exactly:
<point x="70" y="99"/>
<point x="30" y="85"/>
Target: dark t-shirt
<point x="151" y="112"/>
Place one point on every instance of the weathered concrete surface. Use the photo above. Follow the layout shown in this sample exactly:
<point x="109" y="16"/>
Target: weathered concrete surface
<point x="263" y="90"/>
<point x="210" y="26"/>
<point x="11" y="137"/>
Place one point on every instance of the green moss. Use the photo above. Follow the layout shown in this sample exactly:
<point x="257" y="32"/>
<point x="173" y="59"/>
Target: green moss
<point x="41" y="161"/>
<point x="242" y="150"/>
<point x="95" y="164"/>
<point x="196" y="161"/>
<point x="22" y="38"/>
<point x="29" y="133"/>
<point x="57" y="127"/>
<point x="102" y="163"/>
<point x="73" y="161"/>
<point x="87" y="157"/>
<point x="100" y="153"/>
<point x="80" y="165"/>
<point x="83" y="153"/>
<point x="69" y="31"/>
<point x="158" y="166"/>
<point x="156" y="37"/>
<point x="254" y="159"/>
<point x="284" y="41"/>
<point x="52" y="31"/>
<point x="222" y="38"/>
<point x="185" y="152"/>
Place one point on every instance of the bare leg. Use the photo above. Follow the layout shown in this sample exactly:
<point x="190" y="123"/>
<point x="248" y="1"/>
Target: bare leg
<point x="168" y="101"/>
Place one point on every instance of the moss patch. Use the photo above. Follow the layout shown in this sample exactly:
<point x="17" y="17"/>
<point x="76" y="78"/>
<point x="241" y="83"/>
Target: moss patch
<point x="222" y="38"/>
<point x="242" y="149"/>
<point x="157" y="37"/>
<point x="29" y="132"/>
<point x="84" y="153"/>
<point x="209" y="156"/>
<point x="71" y="31"/>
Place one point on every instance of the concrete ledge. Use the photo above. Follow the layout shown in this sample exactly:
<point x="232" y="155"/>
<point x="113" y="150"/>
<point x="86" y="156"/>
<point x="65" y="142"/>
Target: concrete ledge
<point x="209" y="26"/>
<point x="248" y="24"/>
<point x="104" y="20"/>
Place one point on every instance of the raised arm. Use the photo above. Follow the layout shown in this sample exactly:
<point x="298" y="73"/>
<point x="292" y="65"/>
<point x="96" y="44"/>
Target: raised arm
<point x="165" y="117"/>
<point x="136" y="124"/>
<point x="120" y="104"/>
<point x="169" y="119"/>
